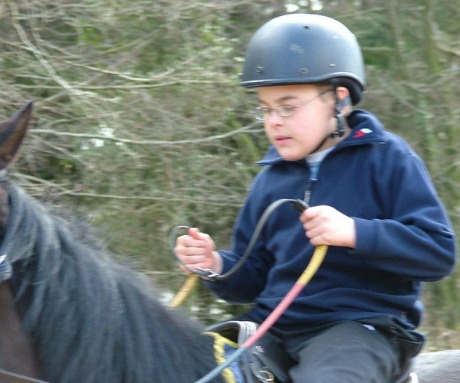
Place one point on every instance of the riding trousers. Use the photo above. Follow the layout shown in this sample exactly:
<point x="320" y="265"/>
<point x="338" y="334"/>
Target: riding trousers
<point x="348" y="352"/>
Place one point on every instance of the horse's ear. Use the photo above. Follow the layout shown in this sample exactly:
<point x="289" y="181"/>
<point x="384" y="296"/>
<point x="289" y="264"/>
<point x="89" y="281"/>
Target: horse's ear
<point x="12" y="132"/>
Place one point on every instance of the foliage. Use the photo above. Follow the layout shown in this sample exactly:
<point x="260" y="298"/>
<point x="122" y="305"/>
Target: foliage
<point x="140" y="121"/>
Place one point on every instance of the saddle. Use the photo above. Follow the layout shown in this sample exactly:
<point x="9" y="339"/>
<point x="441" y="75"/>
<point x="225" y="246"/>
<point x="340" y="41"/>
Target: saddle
<point x="252" y="365"/>
<point x="264" y="365"/>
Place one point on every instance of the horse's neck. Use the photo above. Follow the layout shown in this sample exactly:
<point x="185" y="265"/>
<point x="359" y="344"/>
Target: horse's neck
<point x="16" y="349"/>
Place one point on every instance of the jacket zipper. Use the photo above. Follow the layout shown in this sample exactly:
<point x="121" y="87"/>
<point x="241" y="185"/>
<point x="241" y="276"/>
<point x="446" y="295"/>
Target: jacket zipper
<point x="308" y="190"/>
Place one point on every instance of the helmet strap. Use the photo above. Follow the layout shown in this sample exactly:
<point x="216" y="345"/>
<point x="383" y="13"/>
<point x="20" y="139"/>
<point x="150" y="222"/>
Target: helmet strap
<point x="340" y="131"/>
<point x="339" y="105"/>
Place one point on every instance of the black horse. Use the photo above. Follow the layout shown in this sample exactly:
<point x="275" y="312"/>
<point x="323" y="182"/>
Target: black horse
<point x="69" y="313"/>
<point x="85" y="317"/>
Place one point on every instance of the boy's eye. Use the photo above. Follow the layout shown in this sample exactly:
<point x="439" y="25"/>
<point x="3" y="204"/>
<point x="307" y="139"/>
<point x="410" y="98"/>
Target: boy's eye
<point x="286" y="110"/>
<point x="262" y="113"/>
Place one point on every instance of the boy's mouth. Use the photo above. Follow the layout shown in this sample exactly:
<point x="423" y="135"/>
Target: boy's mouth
<point x="282" y="139"/>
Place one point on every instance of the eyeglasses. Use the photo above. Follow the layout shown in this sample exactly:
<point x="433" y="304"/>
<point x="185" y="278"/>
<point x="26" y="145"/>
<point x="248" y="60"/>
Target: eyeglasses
<point x="261" y="113"/>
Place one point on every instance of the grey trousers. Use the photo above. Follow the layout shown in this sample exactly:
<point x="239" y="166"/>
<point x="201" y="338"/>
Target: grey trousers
<point x="349" y="352"/>
<point x="346" y="353"/>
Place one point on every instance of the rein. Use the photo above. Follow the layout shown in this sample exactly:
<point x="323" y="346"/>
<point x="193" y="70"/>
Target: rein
<point x="208" y="274"/>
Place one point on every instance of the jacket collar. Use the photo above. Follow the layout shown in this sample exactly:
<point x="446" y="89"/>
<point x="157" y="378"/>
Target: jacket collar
<point x="366" y="129"/>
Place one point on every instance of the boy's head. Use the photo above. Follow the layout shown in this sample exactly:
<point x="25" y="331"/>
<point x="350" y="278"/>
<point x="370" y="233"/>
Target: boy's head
<point x="305" y="49"/>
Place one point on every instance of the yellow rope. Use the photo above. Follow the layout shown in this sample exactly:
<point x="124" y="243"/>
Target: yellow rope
<point x="184" y="291"/>
<point x="313" y="265"/>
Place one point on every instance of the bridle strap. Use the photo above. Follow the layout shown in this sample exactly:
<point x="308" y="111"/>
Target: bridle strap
<point x="11" y="377"/>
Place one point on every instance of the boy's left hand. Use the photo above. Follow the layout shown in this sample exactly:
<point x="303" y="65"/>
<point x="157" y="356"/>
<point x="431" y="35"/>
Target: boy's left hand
<point x="325" y="225"/>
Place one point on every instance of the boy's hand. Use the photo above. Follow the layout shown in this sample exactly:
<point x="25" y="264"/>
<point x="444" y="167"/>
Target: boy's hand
<point x="325" y="225"/>
<point x="197" y="251"/>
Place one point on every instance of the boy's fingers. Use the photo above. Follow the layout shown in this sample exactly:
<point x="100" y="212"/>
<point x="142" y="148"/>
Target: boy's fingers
<point x="194" y="233"/>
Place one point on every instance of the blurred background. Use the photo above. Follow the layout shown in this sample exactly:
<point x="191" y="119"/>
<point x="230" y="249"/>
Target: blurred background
<point x="140" y="124"/>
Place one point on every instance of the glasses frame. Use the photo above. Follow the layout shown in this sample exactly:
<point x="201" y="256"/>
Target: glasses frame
<point x="284" y="111"/>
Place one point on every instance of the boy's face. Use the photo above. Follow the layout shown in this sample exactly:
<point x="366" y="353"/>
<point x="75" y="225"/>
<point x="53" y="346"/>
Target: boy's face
<point x="312" y="120"/>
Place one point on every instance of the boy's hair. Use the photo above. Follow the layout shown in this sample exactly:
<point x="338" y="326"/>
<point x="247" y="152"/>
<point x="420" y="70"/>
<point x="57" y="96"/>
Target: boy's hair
<point x="304" y="49"/>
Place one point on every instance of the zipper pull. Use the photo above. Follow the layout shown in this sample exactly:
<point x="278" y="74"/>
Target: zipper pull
<point x="308" y="191"/>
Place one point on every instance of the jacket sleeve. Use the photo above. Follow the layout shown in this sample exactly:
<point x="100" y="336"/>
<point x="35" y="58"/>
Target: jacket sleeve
<point x="416" y="239"/>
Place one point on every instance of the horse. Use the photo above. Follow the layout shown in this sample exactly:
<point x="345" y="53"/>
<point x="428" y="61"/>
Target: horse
<point x="70" y="312"/>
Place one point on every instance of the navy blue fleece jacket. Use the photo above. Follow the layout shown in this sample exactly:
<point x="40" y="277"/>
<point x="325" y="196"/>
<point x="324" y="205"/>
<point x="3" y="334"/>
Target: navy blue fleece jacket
<point x="404" y="236"/>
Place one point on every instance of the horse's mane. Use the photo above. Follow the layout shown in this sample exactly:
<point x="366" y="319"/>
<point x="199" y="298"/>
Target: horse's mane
<point x="93" y="320"/>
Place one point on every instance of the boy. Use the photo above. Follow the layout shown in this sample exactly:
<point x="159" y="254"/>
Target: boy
<point x="372" y="203"/>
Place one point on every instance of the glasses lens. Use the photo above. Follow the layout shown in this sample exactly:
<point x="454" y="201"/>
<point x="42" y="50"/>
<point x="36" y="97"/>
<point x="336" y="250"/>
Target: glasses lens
<point x="286" y="110"/>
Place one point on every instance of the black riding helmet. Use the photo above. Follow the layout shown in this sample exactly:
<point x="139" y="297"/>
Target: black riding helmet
<point x="304" y="49"/>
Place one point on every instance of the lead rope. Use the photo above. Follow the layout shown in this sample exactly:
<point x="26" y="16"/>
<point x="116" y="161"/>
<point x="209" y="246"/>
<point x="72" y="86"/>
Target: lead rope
<point x="184" y="291"/>
<point x="12" y="377"/>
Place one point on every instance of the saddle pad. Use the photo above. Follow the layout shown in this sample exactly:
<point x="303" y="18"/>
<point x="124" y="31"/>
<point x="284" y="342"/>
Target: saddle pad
<point x="251" y="366"/>
<point x="223" y="349"/>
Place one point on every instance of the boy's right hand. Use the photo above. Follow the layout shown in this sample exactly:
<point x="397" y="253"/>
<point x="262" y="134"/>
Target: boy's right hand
<point x="197" y="251"/>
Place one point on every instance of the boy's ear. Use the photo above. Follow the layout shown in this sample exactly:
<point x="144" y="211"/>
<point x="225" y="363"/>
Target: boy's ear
<point x="344" y="100"/>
